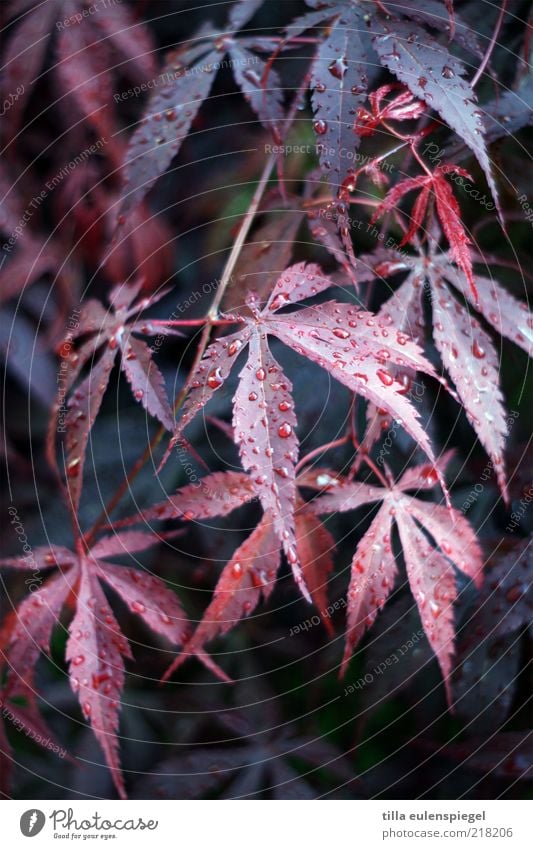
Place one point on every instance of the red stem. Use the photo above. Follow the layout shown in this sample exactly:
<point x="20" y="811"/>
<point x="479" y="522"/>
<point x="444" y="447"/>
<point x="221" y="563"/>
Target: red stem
<point x="491" y="46"/>
<point x="320" y="450"/>
<point x="196" y="322"/>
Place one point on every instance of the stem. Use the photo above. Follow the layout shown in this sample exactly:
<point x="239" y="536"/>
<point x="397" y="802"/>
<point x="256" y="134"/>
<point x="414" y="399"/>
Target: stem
<point x="370" y="463"/>
<point x="412" y="142"/>
<point x="491" y="46"/>
<point x="361" y="453"/>
<point x="241" y="238"/>
<point x="320" y="450"/>
<point x="387" y="153"/>
<point x="365" y="202"/>
<point x="298" y="39"/>
<point x="209" y="321"/>
<point x="196" y="322"/>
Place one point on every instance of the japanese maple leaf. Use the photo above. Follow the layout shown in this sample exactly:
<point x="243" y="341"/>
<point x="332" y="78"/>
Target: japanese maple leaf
<point x="253" y="753"/>
<point x="403" y="46"/>
<point x="448" y="212"/>
<point x="92" y="50"/>
<point x="96" y="647"/>
<point x="350" y="343"/>
<point x="339" y="81"/>
<point x="174" y="106"/>
<point x="436" y="76"/>
<point x="466" y="348"/>
<point x="109" y="333"/>
<point x="403" y="107"/>
<point x="250" y="574"/>
<point x="429" y="559"/>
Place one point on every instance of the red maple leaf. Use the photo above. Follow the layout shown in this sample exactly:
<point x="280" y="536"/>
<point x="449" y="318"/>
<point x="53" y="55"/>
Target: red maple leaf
<point x="351" y="344"/>
<point x="96" y="647"/>
<point x="433" y="538"/>
<point x="448" y="212"/>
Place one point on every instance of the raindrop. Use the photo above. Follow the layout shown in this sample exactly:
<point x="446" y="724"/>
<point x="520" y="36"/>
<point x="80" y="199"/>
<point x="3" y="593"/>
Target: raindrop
<point x="386" y="378"/>
<point x="284" y="430"/>
<point x="340" y="333"/>
<point x="215" y="379"/>
<point x="73" y="468"/>
<point x="477" y="350"/>
<point x="338" y="68"/>
<point x="435" y="609"/>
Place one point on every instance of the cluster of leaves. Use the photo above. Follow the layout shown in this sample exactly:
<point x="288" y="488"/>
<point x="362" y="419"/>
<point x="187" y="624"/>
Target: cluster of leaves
<point x="374" y="355"/>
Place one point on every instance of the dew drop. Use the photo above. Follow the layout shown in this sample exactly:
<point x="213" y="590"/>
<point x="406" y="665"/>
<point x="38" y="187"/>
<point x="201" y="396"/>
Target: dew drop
<point x="215" y="379"/>
<point x="291" y="555"/>
<point x="284" y="430"/>
<point x="430" y="475"/>
<point x="73" y="468"/>
<point x="320" y="127"/>
<point x="338" y="68"/>
<point x="386" y="378"/>
<point x="340" y="333"/>
<point x="435" y="609"/>
<point x="477" y="350"/>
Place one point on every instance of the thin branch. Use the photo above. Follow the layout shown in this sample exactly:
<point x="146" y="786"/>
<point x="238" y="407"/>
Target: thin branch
<point x="491" y="46"/>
